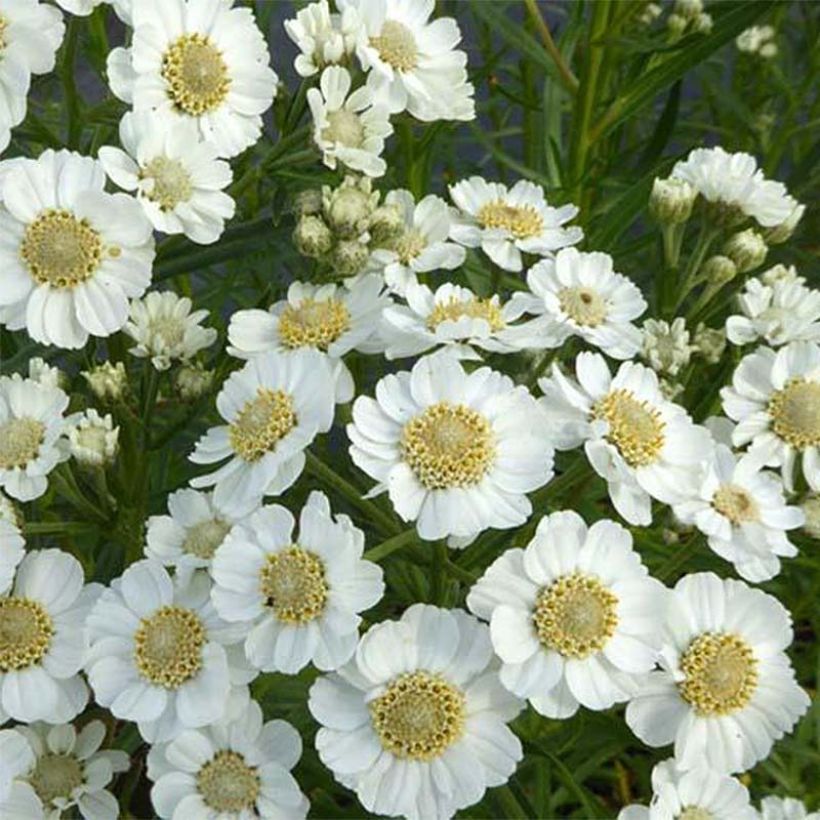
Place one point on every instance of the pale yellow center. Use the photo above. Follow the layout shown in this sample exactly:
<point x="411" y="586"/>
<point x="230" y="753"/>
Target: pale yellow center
<point x="795" y="412"/>
<point x="56" y="776"/>
<point x="408" y="245"/>
<point x="313" y="323"/>
<point x="294" y="586"/>
<point x="419" y="716"/>
<point x="448" y="446"/>
<point x="168" y="330"/>
<point x="262" y="423"/>
<point x="171" y="182"/>
<point x="396" y="46"/>
<point x="228" y="784"/>
<point x="635" y="427"/>
<point x="720" y="674"/>
<point x="695" y="813"/>
<point x="20" y="441"/>
<point x="60" y="250"/>
<point x="522" y="221"/>
<point x="26" y="630"/>
<point x="575" y="615"/>
<point x="584" y="306"/>
<point x="203" y="539"/>
<point x="168" y="646"/>
<point x="476" y="308"/>
<point x="196" y="74"/>
<point x="735" y="503"/>
<point x="344" y="127"/>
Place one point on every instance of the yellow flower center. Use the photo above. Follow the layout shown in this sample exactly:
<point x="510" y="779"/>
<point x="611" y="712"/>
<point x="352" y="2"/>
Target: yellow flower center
<point x="720" y="674"/>
<point x="262" y="423"/>
<point x="61" y="250"/>
<point x="419" y="716"/>
<point x="635" y="427"/>
<point x="56" y="776"/>
<point x="795" y="412"/>
<point x="203" y="539"/>
<point x="476" y="308"/>
<point x="344" y="127"/>
<point x="575" y="615"/>
<point x="735" y="503"/>
<point x="314" y="323"/>
<point x="584" y="306"/>
<point x="20" y="441"/>
<point x="196" y="74"/>
<point x="166" y="331"/>
<point x="26" y="630"/>
<point x="171" y="182"/>
<point x="408" y="245"/>
<point x="522" y="221"/>
<point x="396" y="46"/>
<point x="293" y="583"/>
<point x="448" y="446"/>
<point x="228" y="784"/>
<point x="168" y="646"/>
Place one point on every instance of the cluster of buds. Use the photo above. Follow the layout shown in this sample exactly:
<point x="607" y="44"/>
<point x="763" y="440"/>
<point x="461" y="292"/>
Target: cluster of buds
<point x="757" y="40"/>
<point x="340" y="226"/>
<point x="688" y="16"/>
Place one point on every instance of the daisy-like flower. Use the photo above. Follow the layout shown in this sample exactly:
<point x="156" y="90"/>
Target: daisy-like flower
<point x="54" y="768"/>
<point x="641" y="444"/>
<point x="328" y="318"/>
<point x="176" y="175"/>
<point x="726" y="691"/>
<point x="92" y="439"/>
<point x="188" y="537"/>
<point x="413" y="63"/>
<point x="506" y="222"/>
<point x="735" y="187"/>
<point x="298" y="598"/>
<point x="579" y="294"/>
<point x="30" y="34"/>
<point x="742" y="510"/>
<point x="457" y="452"/>
<point x="415" y="724"/>
<point x="160" y="656"/>
<point x="12" y="550"/>
<point x="166" y="330"/>
<point x="32" y="440"/>
<point x="230" y="769"/>
<point x="666" y="347"/>
<point x="573" y="617"/>
<point x="274" y="408"/>
<point x="775" y="400"/>
<point x="696" y="793"/>
<point x="777" y="313"/>
<point x="455" y="318"/>
<point x="785" y="808"/>
<point x="72" y="254"/>
<point x="348" y="129"/>
<point x="42" y="639"/>
<point x="421" y="246"/>
<point x="322" y="38"/>
<point x="200" y="61"/>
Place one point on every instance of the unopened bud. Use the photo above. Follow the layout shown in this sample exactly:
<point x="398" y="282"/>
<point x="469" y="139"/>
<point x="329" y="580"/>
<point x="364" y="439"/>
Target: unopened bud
<point x="688" y="9"/>
<point x="308" y="202"/>
<point x="349" y="257"/>
<point x="312" y="237"/>
<point x="93" y="440"/>
<point x="347" y="209"/>
<point x="718" y="270"/>
<point x="746" y="249"/>
<point x="193" y="381"/>
<point x="710" y="342"/>
<point x="671" y="200"/>
<point x="703" y="23"/>
<point x="107" y="381"/>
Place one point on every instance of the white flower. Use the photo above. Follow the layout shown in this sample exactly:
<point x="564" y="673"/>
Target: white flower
<point x="734" y="184"/>
<point x="697" y="793"/>
<point x="348" y="129"/>
<point x="231" y="769"/>
<point x="785" y="808"/>
<point x="641" y="444"/>
<point x="47" y="375"/>
<point x="666" y="346"/>
<point x="415" y="723"/>
<point x="506" y="222"/>
<point x="321" y="37"/>
<point x="107" y="381"/>
<point x="457" y="452"/>
<point x="328" y="318"/>
<point x="781" y="273"/>
<point x="32" y="441"/>
<point x="12" y="550"/>
<point x="93" y="440"/>
<point x="176" y="175"/>
<point x="741" y="508"/>
<point x="187" y="538"/>
<point x="726" y="691"/>
<point x="422" y="246"/>
<point x="9" y="511"/>
<point x="412" y="62"/>
<point x="80" y="7"/>
<point x="274" y="408"/>
<point x="780" y="312"/>
<point x="200" y="61"/>
<point x="579" y="294"/>
<point x="456" y="318"/>
<point x="30" y="34"/>
<point x="42" y="639"/>
<point x="573" y="616"/>
<point x="298" y="598"/>
<point x="775" y="400"/>
<point x="160" y="655"/>
<point x="55" y="768"/>
<point x="72" y="254"/>
<point x="164" y="328"/>
<point x="757" y="40"/>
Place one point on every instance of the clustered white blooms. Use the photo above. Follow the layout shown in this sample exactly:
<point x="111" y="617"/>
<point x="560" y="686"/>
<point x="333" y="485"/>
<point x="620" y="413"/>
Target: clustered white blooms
<point x="226" y="588"/>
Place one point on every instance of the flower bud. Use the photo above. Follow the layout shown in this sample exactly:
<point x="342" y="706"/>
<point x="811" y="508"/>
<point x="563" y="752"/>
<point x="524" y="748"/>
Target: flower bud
<point x="308" y="202"/>
<point x="688" y="9"/>
<point x="703" y="23"/>
<point x="386" y="223"/>
<point x="347" y="209"/>
<point x="718" y="270"/>
<point x="676" y="25"/>
<point x="312" y="237"/>
<point x="107" y="381"/>
<point x="710" y="342"/>
<point x="94" y="441"/>
<point x="671" y="200"/>
<point x="349" y="257"/>
<point x="746" y="249"/>
<point x="193" y="381"/>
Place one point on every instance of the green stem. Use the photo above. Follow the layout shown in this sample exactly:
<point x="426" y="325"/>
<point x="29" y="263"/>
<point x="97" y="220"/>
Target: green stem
<point x="706" y="237"/>
<point x="568" y="79"/>
<point x="68" y="78"/>
<point x="684" y="552"/>
<point x="56" y="528"/>
<point x="389" y="546"/>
